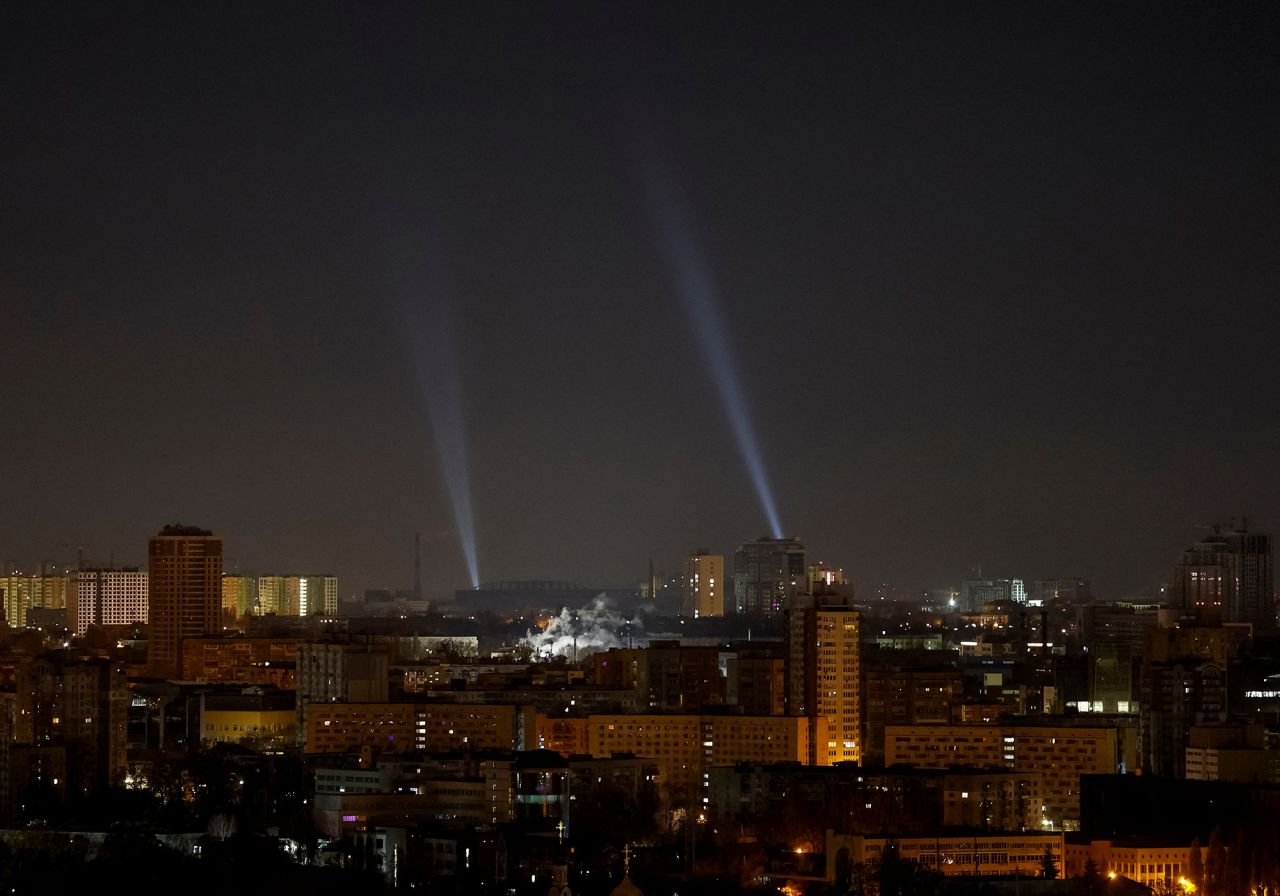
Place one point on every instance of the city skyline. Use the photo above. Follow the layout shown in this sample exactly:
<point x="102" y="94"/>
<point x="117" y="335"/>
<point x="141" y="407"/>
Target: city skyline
<point x="994" y="288"/>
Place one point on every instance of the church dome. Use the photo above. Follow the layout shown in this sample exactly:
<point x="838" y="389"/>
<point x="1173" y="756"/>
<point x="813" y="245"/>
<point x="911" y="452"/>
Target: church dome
<point x="626" y="888"/>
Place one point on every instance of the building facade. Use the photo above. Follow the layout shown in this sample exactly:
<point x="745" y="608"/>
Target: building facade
<point x="704" y="585"/>
<point x="108" y="597"/>
<point x="185" y="593"/>
<point x="821" y="634"/>
<point x="765" y="571"/>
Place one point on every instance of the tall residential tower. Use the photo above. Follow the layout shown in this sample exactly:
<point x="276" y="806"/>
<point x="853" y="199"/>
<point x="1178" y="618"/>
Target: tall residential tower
<point x="765" y="571"/>
<point x="704" y="585"/>
<point x="186" y="593"/>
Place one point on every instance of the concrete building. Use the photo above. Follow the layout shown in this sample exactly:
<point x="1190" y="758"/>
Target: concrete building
<point x="765" y="572"/>
<point x="19" y="593"/>
<point x="185" y="581"/>
<point x="403" y="727"/>
<point x="756" y="681"/>
<point x="253" y="717"/>
<point x="107" y="597"/>
<point x="824" y="681"/>
<point x="1156" y="865"/>
<point x="977" y="593"/>
<point x="1228" y="577"/>
<point x="1059" y="753"/>
<point x="260" y="661"/>
<point x="79" y="706"/>
<point x="340" y="672"/>
<point x="1004" y="854"/>
<point x="704" y="585"/>
<point x="684" y="748"/>
<point x="903" y="687"/>
<point x="239" y="596"/>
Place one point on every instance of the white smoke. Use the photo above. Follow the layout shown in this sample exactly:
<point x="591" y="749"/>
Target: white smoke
<point x="575" y="633"/>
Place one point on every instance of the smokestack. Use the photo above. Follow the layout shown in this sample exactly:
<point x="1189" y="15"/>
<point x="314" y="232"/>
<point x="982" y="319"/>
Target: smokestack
<point x="417" y="565"/>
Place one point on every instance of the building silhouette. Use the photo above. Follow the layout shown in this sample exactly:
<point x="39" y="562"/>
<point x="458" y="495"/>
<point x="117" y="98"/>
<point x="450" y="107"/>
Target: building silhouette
<point x="186" y="593"/>
<point x="765" y="572"/>
<point x="1227" y="577"/>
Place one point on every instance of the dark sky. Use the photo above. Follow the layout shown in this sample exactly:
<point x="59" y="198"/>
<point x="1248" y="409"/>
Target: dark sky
<point x="1000" y="283"/>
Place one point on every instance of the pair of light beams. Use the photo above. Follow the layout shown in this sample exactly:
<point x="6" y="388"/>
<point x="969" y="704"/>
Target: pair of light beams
<point x="432" y="335"/>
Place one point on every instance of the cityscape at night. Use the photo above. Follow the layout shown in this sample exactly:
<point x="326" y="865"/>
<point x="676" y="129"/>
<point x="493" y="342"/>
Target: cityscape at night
<point x="640" y="449"/>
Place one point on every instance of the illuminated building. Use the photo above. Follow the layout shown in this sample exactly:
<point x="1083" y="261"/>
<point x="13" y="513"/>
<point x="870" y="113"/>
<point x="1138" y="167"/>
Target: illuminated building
<point x="1060" y="754"/>
<point x="271" y="597"/>
<point x="1228" y="577"/>
<point x="765" y="572"/>
<point x="107" y="597"/>
<point x="1004" y="854"/>
<point x="239" y="596"/>
<point x="819" y="576"/>
<point x="186" y="593"/>
<point x="1154" y="865"/>
<point x="259" y="719"/>
<point x="20" y="593"/>
<point x="297" y="595"/>
<point x="821" y="638"/>
<point x="704" y="585"/>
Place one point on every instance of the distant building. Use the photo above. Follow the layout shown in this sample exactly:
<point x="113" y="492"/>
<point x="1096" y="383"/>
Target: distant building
<point x="1071" y="591"/>
<point x="704" y="585"/>
<point x="107" y="597"/>
<point x="239" y="596"/>
<point x="19" y="593"/>
<point x="765" y="572"/>
<point x="977" y="593"/>
<point x="297" y="595"/>
<point x="1228" y="577"/>
<point x="185" y="593"/>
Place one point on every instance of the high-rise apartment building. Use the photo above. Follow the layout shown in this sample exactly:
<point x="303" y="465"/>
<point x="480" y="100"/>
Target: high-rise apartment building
<point x="81" y="707"/>
<point x="239" y="596"/>
<point x="186" y="593"/>
<point x="107" y="597"/>
<point x="821" y="634"/>
<point x="19" y="593"/>
<point x="977" y="593"/>
<point x="297" y="595"/>
<point x="765" y="572"/>
<point x="1228" y="577"/>
<point x="704" y="585"/>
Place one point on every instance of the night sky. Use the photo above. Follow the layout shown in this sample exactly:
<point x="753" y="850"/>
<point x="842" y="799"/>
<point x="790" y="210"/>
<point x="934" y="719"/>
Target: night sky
<point x="999" y="283"/>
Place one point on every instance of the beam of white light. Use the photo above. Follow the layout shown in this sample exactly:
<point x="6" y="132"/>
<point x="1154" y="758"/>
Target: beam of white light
<point x="432" y="340"/>
<point x="696" y="286"/>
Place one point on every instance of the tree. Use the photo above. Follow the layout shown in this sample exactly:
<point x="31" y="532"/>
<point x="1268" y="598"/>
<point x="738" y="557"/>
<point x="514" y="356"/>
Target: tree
<point x="1215" y="864"/>
<point x="1195" y="865"/>
<point x="1048" y="865"/>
